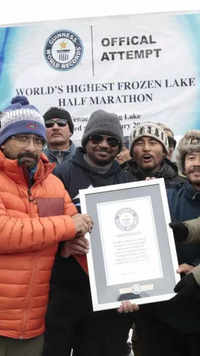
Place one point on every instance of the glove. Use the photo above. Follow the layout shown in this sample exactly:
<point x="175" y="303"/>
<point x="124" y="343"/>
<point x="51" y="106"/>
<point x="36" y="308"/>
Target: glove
<point x="180" y="231"/>
<point x="187" y="287"/>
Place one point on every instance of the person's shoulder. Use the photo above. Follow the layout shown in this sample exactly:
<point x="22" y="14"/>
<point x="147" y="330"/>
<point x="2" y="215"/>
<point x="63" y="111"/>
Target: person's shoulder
<point x="125" y="176"/>
<point x="56" y="184"/>
<point x="130" y="167"/>
<point x="73" y="147"/>
<point x="66" y="169"/>
<point x="62" y="169"/>
<point x="176" y="181"/>
<point x="127" y="164"/>
<point x="175" y="188"/>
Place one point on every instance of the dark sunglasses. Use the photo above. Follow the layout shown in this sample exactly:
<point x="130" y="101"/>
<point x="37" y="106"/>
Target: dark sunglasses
<point x="51" y="123"/>
<point x="112" y="141"/>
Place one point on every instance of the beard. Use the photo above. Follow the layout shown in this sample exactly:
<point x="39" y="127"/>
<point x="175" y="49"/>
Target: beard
<point x="27" y="159"/>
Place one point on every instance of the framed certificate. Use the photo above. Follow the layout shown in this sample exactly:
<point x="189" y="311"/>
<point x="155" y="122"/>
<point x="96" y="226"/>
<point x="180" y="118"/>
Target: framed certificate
<point x="132" y="252"/>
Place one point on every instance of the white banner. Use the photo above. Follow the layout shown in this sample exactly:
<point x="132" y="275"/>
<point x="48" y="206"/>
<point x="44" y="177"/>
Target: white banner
<point x="141" y="67"/>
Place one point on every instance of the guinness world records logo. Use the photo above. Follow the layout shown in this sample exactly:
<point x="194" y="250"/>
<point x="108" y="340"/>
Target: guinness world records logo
<point x="126" y="219"/>
<point x="63" y="50"/>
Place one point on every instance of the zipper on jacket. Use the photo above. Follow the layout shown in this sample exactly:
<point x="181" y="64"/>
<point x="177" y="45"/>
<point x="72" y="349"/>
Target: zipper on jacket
<point x="30" y="197"/>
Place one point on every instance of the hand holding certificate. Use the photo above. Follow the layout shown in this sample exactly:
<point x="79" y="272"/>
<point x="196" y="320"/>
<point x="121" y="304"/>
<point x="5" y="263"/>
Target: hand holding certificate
<point x="132" y="252"/>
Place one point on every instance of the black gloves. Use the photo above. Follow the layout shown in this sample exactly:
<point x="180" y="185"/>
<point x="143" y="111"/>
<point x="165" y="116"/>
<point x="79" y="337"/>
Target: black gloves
<point x="187" y="287"/>
<point x="180" y="231"/>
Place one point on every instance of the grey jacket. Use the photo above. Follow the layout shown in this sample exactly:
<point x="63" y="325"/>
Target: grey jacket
<point x="196" y="274"/>
<point x="193" y="226"/>
<point x="60" y="156"/>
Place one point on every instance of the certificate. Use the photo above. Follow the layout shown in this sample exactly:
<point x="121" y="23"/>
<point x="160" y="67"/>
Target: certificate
<point x="132" y="252"/>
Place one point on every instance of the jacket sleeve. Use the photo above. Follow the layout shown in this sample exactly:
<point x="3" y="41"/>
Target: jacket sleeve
<point x="22" y="234"/>
<point x="193" y="226"/>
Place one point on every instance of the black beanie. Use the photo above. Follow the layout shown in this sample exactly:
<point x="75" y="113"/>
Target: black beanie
<point x="55" y="112"/>
<point x="104" y="123"/>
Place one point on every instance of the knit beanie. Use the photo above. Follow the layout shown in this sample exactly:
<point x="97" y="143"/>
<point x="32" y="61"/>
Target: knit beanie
<point x="149" y="129"/>
<point x="190" y="142"/>
<point x="104" y="123"/>
<point x="21" y="118"/>
<point x="54" y="113"/>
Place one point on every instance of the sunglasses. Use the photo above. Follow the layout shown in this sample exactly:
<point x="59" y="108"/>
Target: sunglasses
<point x="51" y="123"/>
<point x="112" y="141"/>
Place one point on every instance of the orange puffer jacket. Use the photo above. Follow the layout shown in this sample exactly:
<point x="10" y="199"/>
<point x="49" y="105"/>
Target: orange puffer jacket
<point x="28" y="243"/>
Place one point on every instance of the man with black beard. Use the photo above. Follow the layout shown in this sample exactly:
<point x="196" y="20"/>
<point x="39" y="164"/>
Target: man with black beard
<point x="36" y="213"/>
<point x="71" y="322"/>
<point x="149" y="147"/>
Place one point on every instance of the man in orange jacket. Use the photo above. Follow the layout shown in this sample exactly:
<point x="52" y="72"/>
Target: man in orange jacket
<point x="36" y="213"/>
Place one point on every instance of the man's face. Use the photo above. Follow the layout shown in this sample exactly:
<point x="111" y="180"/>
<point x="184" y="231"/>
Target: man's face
<point x="192" y="168"/>
<point x="57" y="132"/>
<point x="25" y="148"/>
<point x="102" y="149"/>
<point x="148" y="153"/>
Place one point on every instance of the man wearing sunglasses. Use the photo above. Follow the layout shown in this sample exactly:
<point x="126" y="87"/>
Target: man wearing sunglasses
<point x="59" y="129"/>
<point x="71" y="323"/>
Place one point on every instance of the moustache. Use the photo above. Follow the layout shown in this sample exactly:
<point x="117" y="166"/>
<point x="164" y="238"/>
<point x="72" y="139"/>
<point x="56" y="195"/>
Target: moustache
<point x="103" y="149"/>
<point x="21" y="156"/>
<point x="194" y="169"/>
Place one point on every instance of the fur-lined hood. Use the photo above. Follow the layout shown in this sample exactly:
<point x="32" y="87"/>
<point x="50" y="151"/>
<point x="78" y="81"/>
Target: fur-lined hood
<point x="189" y="143"/>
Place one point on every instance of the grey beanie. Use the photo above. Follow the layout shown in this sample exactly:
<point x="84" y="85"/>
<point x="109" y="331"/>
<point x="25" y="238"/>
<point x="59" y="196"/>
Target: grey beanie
<point x="149" y="129"/>
<point x="190" y="142"/>
<point x="104" y="123"/>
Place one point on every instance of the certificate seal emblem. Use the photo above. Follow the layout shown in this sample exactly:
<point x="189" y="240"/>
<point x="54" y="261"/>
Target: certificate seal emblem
<point x="63" y="50"/>
<point x="126" y="219"/>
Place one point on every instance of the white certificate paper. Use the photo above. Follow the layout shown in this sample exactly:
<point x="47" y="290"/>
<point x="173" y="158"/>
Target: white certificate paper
<point x="129" y="240"/>
<point x="132" y="252"/>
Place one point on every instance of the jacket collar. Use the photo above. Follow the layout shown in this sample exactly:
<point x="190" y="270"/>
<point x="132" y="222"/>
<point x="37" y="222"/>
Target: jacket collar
<point x="167" y="170"/>
<point x="16" y="173"/>
<point x="191" y="192"/>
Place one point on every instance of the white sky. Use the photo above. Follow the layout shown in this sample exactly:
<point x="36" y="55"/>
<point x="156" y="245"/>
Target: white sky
<point x="21" y="11"/>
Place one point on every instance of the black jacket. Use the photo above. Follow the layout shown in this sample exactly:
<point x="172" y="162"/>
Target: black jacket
<point x="77" y="174"/>
<point x="168" y="171"/>
<point x="183" y="314"/>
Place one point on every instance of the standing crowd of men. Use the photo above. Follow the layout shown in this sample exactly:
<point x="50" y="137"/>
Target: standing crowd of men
<point x="44" y="283"/>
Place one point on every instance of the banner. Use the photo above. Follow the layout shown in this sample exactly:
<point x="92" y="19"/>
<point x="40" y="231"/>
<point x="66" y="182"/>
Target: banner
<point x="141" y="67"/>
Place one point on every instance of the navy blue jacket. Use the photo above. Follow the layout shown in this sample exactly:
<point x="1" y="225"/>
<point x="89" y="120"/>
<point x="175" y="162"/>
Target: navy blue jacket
<point x="184" y="314"/>
<point x="184" y="204"/>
